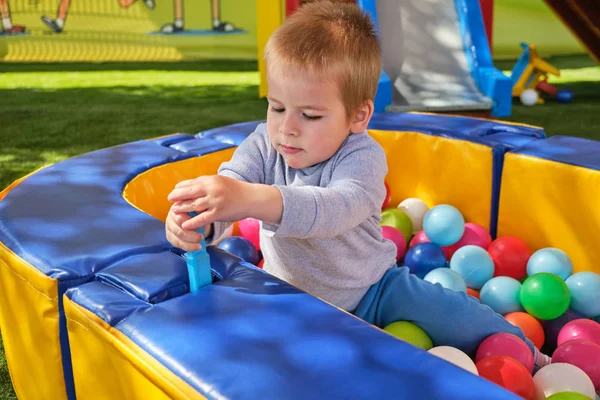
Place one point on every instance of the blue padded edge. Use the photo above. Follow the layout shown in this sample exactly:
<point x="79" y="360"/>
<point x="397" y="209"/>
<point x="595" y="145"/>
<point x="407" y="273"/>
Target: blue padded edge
<point x="232" y="134"/>
<point x="254" y="336"/>
<point x="520" y="65"/>
<point x="172" y="139"/>
<point x="201" y="146"/>
<point x="570" y="150"/>
<point x="490" y="80"/>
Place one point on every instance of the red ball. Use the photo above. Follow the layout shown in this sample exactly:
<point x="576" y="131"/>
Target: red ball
<point x="393" y="234"/>
<point x="388" y="197"/>
<point x="475" y="235"/>
<point x="508" y="373"/>
<point x="261" y="264"/>
<point x="473" y="293"/>
<point x="510" y="256"/>
<point x="250" y="229"/>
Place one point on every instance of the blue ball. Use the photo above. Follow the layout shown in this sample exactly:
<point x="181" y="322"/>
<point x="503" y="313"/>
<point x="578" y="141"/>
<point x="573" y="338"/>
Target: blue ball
<point x="474" y="264"/>
<point x="585" y="293"/>
<point x="502" y="294"/>
<point x="551" y="260"/>
<point x="424" y="257"/>
<point x="241" y="247"/>
<point x="444" y="225"/>
<point x="564" y="96"/>
<point x="447" y="278"/>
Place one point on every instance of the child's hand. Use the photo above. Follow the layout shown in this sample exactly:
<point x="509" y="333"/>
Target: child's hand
<point x="187" y="240"/>
<point x="213" y="198"/>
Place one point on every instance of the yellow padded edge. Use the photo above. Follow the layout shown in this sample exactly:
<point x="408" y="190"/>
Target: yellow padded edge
<point x="148" y="191"/>
<point x="551" y="204"/>
<point x="29" y="321"/>
<point x="109" y="365"/>
<point x="439" y="170"/>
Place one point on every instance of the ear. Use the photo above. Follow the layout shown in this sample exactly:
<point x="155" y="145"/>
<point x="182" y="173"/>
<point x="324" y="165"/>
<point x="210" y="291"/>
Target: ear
<point x="362" y="116"/>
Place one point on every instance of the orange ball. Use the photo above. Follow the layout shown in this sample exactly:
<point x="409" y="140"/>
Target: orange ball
<point x="261" y="263"/>
<point x="473" y="292"/>
<point x="530" y="326"/>
<point x="236" y="229"/>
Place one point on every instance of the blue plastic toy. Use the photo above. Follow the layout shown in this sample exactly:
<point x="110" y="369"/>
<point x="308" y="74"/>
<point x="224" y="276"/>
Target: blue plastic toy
<point x="198" y="264"/>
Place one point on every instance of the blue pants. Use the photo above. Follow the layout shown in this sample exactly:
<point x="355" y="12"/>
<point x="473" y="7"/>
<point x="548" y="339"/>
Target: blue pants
<point x="449" y="318"/>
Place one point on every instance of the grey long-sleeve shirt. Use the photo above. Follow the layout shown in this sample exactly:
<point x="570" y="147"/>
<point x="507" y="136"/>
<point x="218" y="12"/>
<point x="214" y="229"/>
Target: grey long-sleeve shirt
<point x="329" y="241"/>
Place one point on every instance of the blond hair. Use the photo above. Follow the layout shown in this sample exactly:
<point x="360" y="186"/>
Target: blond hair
<point x="337" y="40"/>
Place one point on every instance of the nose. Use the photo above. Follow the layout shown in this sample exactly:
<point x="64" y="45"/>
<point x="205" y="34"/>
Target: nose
<point x="288" y="126"/>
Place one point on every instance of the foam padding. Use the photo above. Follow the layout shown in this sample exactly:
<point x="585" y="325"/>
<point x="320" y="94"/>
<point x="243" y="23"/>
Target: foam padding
<point x="246" y="336"/>
<point x="549" y="197"/>
<point x="64" y="224"/>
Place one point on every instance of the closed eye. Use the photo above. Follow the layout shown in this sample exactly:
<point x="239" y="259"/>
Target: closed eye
<point x="277" y="110"/>
<point x="312" y="117"/>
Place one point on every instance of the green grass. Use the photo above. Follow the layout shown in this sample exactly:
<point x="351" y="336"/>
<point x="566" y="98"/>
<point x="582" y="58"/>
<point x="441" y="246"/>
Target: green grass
<point x="52" y="112"/>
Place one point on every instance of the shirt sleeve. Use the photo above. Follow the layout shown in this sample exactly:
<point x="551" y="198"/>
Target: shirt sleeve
<point x="355" y="192"/>
<point x="248" y="165"/>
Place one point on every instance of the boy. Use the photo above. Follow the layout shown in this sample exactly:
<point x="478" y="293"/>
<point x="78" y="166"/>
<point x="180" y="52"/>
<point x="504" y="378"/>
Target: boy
<point x="315" y="179"/>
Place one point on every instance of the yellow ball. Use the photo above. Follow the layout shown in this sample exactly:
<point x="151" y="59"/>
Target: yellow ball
<point x="410" y="333"/>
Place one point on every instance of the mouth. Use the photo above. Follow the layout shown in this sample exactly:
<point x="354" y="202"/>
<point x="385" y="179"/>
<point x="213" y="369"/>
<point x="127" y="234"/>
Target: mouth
<point x="290" y="149"/>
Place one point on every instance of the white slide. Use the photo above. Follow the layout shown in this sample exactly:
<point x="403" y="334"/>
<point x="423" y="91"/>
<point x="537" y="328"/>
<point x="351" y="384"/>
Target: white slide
<point x="424" y="57"/>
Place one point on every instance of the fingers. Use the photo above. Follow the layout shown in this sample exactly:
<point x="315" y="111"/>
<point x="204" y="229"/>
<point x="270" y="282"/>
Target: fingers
<point x="197" y="205"/>
<point x="200" y="220"/>
<point x="187" y="190"/>
<point x="187" y="240"/>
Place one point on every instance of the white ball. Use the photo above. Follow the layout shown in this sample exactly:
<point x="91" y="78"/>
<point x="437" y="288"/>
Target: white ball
<point x="456" y="357"/>
<point x="562" y="377"/>
<point x="529" y="97"/>
<point x="416" y="210"/>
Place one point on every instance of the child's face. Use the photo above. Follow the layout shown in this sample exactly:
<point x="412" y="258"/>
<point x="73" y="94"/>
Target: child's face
<point x="306" y="120"/>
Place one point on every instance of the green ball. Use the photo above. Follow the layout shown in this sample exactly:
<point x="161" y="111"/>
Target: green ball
<point x="410" y="333"/>
<point x="545" y="296"/>
<point x="398" y="219"/>
<point x="568" y="396"/>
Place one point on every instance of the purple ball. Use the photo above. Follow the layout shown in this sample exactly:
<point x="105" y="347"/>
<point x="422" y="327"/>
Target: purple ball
<point x="552" y="328"/>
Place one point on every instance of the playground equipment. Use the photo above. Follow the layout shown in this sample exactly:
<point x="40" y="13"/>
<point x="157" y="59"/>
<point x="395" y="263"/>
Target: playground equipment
<point x="96" y="304"/>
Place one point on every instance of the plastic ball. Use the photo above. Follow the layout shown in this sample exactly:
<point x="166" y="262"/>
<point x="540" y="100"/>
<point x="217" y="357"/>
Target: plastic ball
<point x="393" y="234"/>
<point x="242" y="248"/>
<point x="554" y="261"/>
<point x="568" y="396"/>
<point x="261" y="264"/>
<point x="564" y="96"/>
<point x="423" y="258"/>
<point x="447" y="278"/>
<point x="397" y="219"/>
<point x="410" y="333"/>
<point x="562" y="377"/>
<point x="529" y="97"/>
<point x="444" y="225"/>
<point x="421" y="237"/>
<point x="502" y="294"/>
<point x="388" y="197"/>
<point x="545" y="296"/>
<point x="474" y="264"/>
<point x="416" y="210"/>
<point x="455" y="356"/>
<point x="584" y="329"/>
<point x="473" y="293"/>
<point x="510" y="256"/>
<point x="475" y="235"/>
<point x="505" y="344"/>
<point x="553" y="327"/>
<point x="531" y="327"/>
<point x="585" y="293"/>
<point x="250" y="229"/>
<point x="508" y="373"/>
<point x="583" y="354"/>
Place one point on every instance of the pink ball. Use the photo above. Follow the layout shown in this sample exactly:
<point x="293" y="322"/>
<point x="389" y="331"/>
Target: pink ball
<point x="475" y="235"/>
<point x="505" y="344"/>
<point x="585" y="329"/>
<point x="250" y="229"/>
<point x="421" y="237"/>
<point x="393" y="234"/>
<point x="583" y="354"/>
